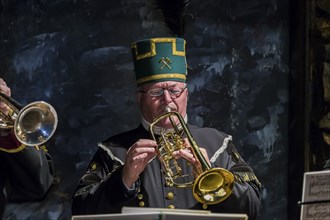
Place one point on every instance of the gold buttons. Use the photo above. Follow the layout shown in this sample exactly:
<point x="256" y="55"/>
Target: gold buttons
<point x="169" y="195"/>
<point x="140" y="196"/>
<point x="171" y="207"/>
<point x="204" y="206"/>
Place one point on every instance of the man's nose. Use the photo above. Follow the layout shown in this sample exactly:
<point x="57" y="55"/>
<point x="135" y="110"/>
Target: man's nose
<point x="167" y="96"/>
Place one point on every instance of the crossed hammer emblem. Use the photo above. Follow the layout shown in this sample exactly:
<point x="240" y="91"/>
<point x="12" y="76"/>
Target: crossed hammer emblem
<point x="166" y="62"/>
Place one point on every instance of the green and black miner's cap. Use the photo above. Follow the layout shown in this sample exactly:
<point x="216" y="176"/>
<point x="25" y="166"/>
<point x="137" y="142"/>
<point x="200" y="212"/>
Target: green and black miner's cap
<point x="159" y="59"/>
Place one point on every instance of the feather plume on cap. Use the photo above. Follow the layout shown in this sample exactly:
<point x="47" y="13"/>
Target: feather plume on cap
<point x="174" y="15"/>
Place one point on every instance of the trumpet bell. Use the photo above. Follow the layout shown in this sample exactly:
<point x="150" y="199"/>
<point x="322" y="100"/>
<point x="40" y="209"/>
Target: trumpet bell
<point x="213" y="186"/>
<point x="36" y="123"/>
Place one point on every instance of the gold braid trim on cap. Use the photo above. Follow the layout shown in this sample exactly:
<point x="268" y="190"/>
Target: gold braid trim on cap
<point x="153" y="52"/>
<point x="246" y="177"/>
<point x="14" y="150"/>
<point x="162" y="76"/>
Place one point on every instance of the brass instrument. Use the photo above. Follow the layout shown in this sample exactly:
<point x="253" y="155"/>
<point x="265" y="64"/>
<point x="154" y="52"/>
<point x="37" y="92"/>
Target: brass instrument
<point x="33" y="124"/>
<point x="212" y="185"/>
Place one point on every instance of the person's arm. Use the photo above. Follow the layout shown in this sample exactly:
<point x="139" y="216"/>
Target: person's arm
<point x="29" y="169"/>
<point x="245" y="196"/>
<point x="101" y="189"/>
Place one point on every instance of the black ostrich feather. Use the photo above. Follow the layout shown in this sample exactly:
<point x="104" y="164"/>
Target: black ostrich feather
<point x="174" y="15"/>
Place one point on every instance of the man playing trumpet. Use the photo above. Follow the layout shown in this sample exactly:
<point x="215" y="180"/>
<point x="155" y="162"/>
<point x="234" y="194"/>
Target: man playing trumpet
<point x="26" y="172"/>
<point x="125" y="170"/>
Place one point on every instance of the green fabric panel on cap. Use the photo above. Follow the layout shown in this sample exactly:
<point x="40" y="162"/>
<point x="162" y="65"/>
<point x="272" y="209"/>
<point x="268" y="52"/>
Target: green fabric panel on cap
<point x="159" y="59"/>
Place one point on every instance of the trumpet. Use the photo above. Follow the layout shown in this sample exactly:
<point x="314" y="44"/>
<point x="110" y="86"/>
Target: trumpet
<point x="33" y="124"/>
<point x="212" y="185"/>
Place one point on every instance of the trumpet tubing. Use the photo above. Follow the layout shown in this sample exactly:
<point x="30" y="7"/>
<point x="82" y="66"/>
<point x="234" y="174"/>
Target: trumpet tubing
<point x="212" y="185"/>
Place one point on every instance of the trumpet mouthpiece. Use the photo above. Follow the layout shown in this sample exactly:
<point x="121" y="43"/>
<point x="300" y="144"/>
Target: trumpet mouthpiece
<point x="167" y="109"/>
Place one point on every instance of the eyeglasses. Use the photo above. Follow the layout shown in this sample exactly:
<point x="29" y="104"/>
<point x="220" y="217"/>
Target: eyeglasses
<point x="174" y="92"/>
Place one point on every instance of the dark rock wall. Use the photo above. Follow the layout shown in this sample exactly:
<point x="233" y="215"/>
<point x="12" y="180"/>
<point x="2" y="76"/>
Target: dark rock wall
<point x="76" y="56"/>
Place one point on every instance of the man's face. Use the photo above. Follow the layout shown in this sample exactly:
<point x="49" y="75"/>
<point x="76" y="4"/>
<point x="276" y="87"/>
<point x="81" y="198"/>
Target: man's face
<point x="153" y="106"/>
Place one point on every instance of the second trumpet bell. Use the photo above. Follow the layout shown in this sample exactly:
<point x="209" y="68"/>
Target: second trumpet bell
<point x="36" y="123"/>
<point x="33" y="124"/>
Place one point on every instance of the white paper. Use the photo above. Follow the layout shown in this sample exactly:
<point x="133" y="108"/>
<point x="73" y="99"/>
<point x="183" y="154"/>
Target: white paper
<point x="138" y="213"/>
<point x="316" y="191"/>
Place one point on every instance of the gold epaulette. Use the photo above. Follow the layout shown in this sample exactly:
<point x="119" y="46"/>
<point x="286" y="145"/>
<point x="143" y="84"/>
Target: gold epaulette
<point x="13" y="150"/>
<point x="42" y="147"/>
<point x="247" y="177"/>
<point x="21" y="147"/>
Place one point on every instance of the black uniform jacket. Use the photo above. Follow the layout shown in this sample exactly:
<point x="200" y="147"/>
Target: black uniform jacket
<point x="25" y="176"/>
<point x="101" y="189"/>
